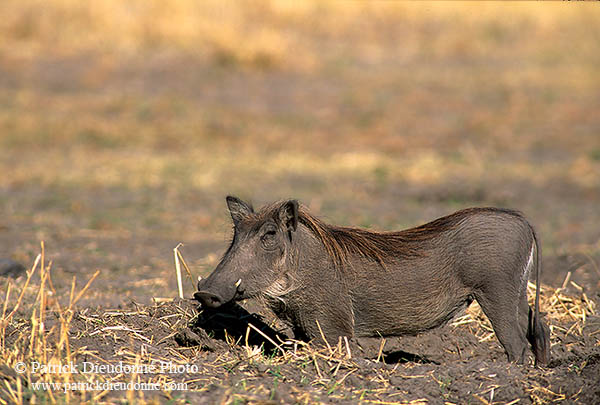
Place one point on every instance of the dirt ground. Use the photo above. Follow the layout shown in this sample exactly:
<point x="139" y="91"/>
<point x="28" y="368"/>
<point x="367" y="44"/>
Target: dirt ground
<point x="215" y="357"/>
<point x="123" y="126"/>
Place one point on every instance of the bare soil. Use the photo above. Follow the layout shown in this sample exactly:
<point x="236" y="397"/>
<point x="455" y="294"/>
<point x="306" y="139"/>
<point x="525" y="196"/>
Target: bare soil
<point x="458" y="363"/>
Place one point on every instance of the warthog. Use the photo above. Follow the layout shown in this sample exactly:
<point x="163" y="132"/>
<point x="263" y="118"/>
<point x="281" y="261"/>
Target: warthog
<point x="332" y="281"/>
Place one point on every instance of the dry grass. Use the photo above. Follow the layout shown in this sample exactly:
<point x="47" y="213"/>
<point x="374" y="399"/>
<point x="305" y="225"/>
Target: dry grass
<point x="230" y="31"/>
<point x="29" y="335"/>
<point x="26" y="339"/>
<point x="222" y="98"/>
<point x="203" y="169"/>
<point x="371" y="72"/>
<point x="565" y="313"/>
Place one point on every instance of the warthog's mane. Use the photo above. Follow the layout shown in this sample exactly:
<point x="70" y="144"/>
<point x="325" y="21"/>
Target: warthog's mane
<point x="341" y="243"/>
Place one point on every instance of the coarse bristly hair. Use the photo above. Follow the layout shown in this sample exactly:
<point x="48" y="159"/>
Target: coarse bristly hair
<point x="342" y="242"/>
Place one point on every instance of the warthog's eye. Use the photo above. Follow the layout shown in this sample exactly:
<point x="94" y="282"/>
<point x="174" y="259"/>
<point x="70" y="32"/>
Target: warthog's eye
<point x="268" y="239"/>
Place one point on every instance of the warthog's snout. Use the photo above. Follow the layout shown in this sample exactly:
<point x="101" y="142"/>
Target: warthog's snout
<point x="208" y="299"/>
<point x="213" y="294"/>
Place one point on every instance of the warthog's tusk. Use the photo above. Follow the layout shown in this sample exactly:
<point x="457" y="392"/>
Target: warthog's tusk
<point x="199" y="278"/>
<point x="237" y="283"/>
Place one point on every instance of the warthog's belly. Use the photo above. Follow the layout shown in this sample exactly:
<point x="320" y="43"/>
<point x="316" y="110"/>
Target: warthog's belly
<point x="375" y="322"/>
<point x="401" y="311"/>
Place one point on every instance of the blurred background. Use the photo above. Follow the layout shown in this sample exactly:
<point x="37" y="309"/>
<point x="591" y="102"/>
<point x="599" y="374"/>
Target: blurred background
<point x="125" y="123"/>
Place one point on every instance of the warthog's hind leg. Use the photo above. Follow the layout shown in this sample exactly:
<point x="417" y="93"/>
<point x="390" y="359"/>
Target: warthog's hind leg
<point x="502" y="310"/>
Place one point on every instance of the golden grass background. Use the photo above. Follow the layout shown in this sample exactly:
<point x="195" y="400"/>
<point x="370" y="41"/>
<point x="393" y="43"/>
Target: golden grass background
<point x="426" y="91"/>
<point x="379" y="114"/>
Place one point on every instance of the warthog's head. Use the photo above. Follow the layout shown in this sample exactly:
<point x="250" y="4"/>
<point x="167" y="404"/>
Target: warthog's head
<point x="258" y="259"/>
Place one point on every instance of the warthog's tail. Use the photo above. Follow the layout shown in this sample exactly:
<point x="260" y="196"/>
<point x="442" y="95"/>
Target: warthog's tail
<point x="538" y="334"/>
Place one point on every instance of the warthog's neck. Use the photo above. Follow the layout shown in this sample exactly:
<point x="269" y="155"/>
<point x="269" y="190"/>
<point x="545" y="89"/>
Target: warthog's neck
<point x="312" y="257"/>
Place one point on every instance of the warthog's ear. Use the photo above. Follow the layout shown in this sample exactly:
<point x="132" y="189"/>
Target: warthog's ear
<point x="238" y="209"/>
<point x="288" y="214"/>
